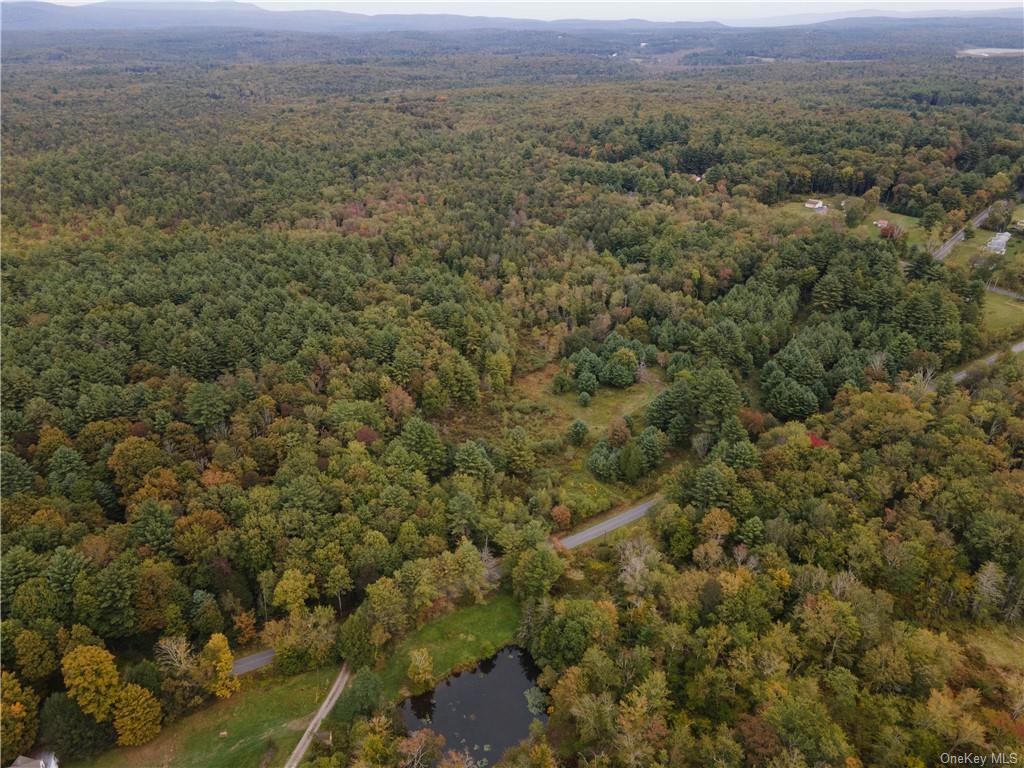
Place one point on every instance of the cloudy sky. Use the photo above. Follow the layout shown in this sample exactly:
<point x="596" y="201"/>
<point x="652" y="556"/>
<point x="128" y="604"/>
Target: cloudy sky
<point x="728" y="11"/>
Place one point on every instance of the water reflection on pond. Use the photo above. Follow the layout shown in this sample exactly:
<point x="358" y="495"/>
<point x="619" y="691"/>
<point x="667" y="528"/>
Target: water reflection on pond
<point x="483" y="710"/>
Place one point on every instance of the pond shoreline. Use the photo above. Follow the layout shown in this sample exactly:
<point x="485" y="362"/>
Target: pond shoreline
<point x="485" y="709"/>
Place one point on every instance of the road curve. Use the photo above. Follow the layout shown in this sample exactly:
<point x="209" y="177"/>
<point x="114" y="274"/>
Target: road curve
<point x="314" y="725"/>
<point x="613" y="523"/>
<point x="252" y="662"/>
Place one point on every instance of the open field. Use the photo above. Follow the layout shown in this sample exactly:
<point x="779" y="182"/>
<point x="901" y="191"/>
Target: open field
<point x="604" y="406"/>
<point x="263" y="722"/>
<point x="456" y="640"/>
<point x="1003" y="313"/>
<point x="584" y="494"/>
<point x="908" y="224"/>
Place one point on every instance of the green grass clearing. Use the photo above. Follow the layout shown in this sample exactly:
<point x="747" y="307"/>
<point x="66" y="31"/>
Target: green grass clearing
<point x="265" y="709"/>
<point x="455" y="641"/>
<point x="1003" y="313"/>
<point x="604" y="406"/>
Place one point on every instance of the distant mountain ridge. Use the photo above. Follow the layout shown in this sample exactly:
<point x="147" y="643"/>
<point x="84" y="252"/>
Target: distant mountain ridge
<point x="41" y="16"/>
<point x="139" y="15"/>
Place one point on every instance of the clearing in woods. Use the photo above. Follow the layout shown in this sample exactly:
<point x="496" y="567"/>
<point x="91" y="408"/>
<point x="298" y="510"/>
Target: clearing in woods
<point x="1003" y="313"/>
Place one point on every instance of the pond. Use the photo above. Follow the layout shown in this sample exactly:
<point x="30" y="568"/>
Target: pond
<point x="484" y="710"/>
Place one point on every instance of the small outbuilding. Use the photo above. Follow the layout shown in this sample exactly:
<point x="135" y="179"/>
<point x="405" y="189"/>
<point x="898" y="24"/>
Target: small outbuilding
<point x="998" y="243"/>
<point x="44" y="760"/>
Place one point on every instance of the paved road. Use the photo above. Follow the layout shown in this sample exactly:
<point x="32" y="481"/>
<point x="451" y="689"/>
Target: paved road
<point x="613" y="523"/>
<point x="314" y="725"/>
<point x="252" y="662"/>
<point x="944" y="250"/>
<point x="987" y="361"/>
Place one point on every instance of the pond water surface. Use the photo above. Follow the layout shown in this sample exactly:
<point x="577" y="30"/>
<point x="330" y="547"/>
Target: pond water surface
<point x="483" y="710"/>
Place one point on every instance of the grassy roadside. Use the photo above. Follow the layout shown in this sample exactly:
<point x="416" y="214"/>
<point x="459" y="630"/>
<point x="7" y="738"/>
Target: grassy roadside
<point x="263" y="721"/>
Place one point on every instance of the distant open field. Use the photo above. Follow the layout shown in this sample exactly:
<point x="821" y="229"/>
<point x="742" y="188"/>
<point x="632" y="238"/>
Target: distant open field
<point x="1003" y="313"/>
<point x="908" y="224"/>
<point x="985" y="53"/>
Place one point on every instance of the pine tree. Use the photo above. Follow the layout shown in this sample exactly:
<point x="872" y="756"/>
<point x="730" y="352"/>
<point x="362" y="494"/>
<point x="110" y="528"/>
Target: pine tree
<point x="422" y="440"/>
<point x="519" y="453"/>
<point x="577" y="433"/>
<point x="631" y="462"/>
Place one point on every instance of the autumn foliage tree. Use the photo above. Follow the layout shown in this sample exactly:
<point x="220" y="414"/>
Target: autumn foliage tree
<point x="92" y="680"/>
<point x="137" y="716"/>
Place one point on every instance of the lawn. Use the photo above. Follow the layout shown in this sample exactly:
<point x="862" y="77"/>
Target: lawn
<point x="263" y="721"/>
<point x="1003" y="313"/>
<point x="455" y="641"/>
<point x="967" y="253"/>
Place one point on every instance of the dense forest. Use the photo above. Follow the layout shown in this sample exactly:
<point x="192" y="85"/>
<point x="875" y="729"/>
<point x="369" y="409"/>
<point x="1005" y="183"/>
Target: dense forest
<point x="272" y="305"/>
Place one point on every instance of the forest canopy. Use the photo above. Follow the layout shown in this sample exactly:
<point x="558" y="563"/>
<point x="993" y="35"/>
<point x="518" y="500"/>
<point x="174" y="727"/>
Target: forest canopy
<point x="271" y="318"/>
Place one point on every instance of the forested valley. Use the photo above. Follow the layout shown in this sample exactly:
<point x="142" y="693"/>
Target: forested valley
<point x="308" y="345"/>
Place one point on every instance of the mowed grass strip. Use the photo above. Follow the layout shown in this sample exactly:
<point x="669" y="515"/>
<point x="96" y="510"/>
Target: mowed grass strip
<point x="263" y="721"/>
<point x="455" y="641"/>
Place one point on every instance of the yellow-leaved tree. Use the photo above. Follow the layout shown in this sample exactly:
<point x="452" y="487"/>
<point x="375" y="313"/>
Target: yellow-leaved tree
<point x="92" y="680"/>
<point x="137" y="716"/>
<point x="215" y="663"/>
<point x="421" y="666"/>
<point x="19" y="712"/>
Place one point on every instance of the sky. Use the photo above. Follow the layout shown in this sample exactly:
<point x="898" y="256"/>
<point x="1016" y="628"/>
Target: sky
<point x="727" y="11"/>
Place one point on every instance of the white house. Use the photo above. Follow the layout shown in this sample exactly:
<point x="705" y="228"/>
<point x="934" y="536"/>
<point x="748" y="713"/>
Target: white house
<point x="814" y="203"/>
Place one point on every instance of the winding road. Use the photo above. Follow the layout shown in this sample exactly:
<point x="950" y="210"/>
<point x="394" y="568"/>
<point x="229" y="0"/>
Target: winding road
<point x="960" y="375"/>
<point x="613" y="523"/>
